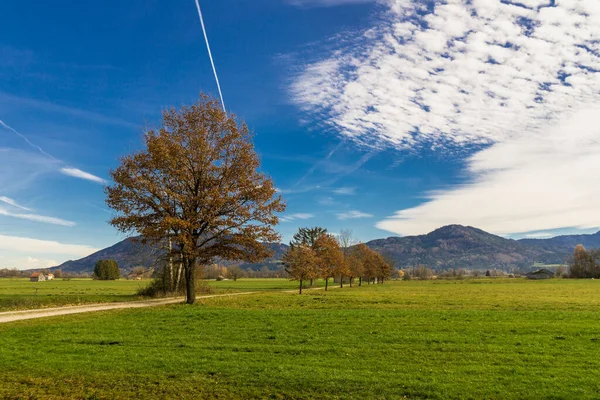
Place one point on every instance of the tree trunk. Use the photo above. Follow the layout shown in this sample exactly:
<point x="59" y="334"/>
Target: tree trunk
<point x="179" y="271"/>
<point x="360" y="281"/>
<point x="326" y="283"/>
<point x="190" y="289"/>
<point x="311" y="282"/>
<point x="171" y="286"/>
<point x="350" y="281"/>
<point x="341" y="281"/>
<point x="300" y="286"/>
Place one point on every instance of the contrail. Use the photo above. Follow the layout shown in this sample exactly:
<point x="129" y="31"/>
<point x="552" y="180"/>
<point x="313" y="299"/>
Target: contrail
<point x="318" y="163"/>
<point x="28" y="141"/>
<point x="210" y="54"/>
<point x="74" y="172"/>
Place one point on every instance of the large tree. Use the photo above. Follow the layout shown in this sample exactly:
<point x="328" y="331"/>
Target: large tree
<point x="197" y="182"/>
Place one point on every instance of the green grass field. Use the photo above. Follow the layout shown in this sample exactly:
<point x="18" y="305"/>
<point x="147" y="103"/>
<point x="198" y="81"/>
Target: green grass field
<point x="19" y="294"/>
<point x="471" y="339"/>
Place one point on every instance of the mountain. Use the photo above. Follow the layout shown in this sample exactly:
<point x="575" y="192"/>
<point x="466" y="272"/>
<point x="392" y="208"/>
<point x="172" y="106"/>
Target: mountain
<point x="452" y="246"/>
<point x="131" y="253"/>
<point x="457" y="246"/>
<point x="128" y="253"/>
<point x="565" y="243"/>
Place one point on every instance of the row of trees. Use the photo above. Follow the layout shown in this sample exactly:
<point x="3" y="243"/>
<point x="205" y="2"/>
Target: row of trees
<point x="58" y="274"/>
<point x="315" y="254"/>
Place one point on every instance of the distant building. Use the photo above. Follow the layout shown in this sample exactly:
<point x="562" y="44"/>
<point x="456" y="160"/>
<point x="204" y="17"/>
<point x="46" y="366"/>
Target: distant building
<point x="540" y="274"/>
<point x="49" y="277"/>
<point x="37" y="277"/>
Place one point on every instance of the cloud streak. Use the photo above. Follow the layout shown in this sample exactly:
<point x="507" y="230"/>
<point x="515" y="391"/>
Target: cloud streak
<point x="13" y="203"/>
<point x="37" y="246"/>
<point x="37" y="218"/>
<point x="297" y="216"/>
<point x="353" y="214"/>
<point x="345" y="191"/>
<point x="77" y="173"/>
<point x="519" y="80"/>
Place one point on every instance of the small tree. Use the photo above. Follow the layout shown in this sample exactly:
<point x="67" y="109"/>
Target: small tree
<point x="301" y="263"/>
<point x="106" y="270"/>
<point x="234" y="272"/>
<point x="330" y="258"/>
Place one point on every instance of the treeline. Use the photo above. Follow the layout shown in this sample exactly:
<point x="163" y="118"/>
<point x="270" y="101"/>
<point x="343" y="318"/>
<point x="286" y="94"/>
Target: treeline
<point x="58" y="274"/>
<point x="315" y="254"/>
<point x="584" y="263"/>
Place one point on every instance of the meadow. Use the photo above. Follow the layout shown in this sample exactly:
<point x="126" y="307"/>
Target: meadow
<point x="20" y="294"/>
<point x="469" y="339"/>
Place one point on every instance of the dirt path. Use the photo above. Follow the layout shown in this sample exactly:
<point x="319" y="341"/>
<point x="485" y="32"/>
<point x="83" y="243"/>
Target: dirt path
<point x="11" y="316"/>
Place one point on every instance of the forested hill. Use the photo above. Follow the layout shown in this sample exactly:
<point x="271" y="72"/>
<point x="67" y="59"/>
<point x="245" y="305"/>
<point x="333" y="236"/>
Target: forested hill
<point x="452" y="246"/>
<point x="457" y="246"/>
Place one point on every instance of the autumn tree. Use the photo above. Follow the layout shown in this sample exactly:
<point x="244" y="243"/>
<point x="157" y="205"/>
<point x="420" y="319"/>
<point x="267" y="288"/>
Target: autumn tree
<point x="307" y="237"/>
<point x="368" y="259"/>
<point x="197" y="182"/>
<point x="584" y="264"/>
<point x="301" y="263"/>
<point x="384" y="268"/>
<point x="354" y="262"/>
<point x="234" y="272"/>
<point x="330" y="258"/>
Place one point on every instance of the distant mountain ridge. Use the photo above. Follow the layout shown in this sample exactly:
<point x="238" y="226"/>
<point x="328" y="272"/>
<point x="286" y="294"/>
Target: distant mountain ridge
<point x="131" y="253"/>
<point x="457" y="246"/>
<point x="451" y="246"/>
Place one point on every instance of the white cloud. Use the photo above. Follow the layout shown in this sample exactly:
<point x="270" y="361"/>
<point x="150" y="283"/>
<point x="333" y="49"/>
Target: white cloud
<point x="37" y="246"/>
<point x="37" y="218"/>
<point x="539" y="235"/>
<point x="522" y="79"/>
<point x="538" y="182"/>
<point x="345" y="191"/>
<point x="294" y="217"/>
<point x="13" y="203"/>
<point x="354" y="214"/>
<point x="326" y="3"/>
<point x="20" y="262"/>
<point x="77" y="173"/>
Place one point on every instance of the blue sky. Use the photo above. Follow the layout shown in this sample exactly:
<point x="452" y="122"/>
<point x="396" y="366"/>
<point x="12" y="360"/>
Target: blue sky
<point x="389" y="118"/>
